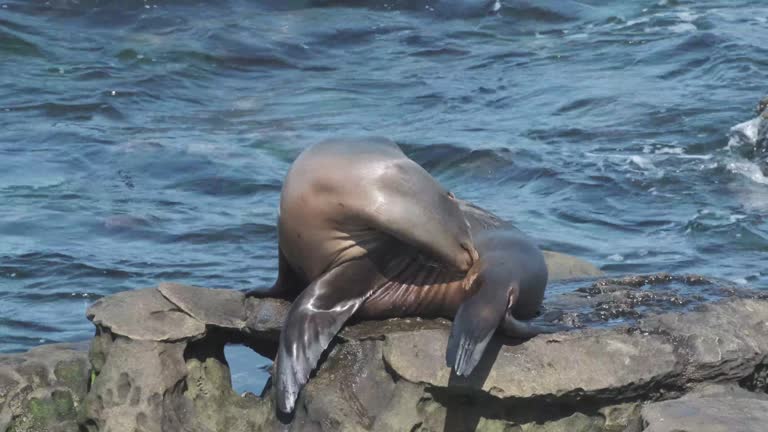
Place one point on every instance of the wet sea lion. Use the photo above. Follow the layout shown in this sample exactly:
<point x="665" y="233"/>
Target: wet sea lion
<point x="363" y="230"/>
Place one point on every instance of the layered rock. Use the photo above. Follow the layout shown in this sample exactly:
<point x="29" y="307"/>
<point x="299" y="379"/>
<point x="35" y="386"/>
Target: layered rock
<point x="158" y="360"/>
<point x="157" y="364"/>
<point x="712" y="408"/>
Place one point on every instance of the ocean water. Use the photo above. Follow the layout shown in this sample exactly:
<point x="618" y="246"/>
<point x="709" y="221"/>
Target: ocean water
<point x="146" y="141"/>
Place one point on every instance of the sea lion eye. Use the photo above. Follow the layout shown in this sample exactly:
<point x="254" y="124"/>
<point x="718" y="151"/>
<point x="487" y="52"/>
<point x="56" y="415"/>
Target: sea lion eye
<point x="451" y="195"/>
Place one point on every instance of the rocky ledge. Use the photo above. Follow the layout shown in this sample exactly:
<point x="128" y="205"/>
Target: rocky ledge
<point x="157" y="364"/>
<point x="44" y="388"/>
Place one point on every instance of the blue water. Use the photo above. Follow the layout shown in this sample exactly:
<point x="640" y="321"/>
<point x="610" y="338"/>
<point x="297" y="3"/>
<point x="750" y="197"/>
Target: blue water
<point x="143" y="141"/>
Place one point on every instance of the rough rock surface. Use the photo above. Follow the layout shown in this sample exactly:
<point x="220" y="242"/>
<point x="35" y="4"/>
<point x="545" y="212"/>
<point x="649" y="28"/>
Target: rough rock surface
<point x="710" y="409"/>
<point x="149" y="379"/>
<point x="762" y="107"/>
<point x="588" y="380"/>
<point x="43" y="389"/>
<point x="144" y="315"/>
<point x="623" y="368"/>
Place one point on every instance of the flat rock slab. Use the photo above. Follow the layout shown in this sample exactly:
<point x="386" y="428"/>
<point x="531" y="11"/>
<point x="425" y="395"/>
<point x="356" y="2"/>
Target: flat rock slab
<point x="175" y="312"/>
<point x="731" y="410"/>
<point x="219" y="307"/>
<point x="144" y="314"/>
<point x="266" y="316"/>
<point x="604" y="363"/>
<point x="720" y="342"/>
<point x="563" y="267"/>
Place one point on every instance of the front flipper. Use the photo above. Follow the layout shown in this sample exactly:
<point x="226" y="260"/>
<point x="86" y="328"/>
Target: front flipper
<point x="477" y="320"/>
<point x="313" y="320"/>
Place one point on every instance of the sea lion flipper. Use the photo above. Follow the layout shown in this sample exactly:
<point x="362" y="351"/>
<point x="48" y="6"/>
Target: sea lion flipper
<point x="313" y="320"/>
<point x="465" y="348"/>
<point x="475" y="322"/>
<point x="288" y="284"/>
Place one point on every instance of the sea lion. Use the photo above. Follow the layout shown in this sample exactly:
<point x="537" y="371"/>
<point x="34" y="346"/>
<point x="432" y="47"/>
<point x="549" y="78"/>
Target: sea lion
<point x="363" y="230"/>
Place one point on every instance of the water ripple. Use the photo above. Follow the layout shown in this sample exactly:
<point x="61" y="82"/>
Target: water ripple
<point x="151" y="142"/>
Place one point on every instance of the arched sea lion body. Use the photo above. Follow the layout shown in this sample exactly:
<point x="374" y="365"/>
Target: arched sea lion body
<point x="365" y="231"/>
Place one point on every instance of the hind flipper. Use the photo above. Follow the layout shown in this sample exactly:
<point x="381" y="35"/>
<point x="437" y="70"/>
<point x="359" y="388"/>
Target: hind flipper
<point x="313" y="320"/>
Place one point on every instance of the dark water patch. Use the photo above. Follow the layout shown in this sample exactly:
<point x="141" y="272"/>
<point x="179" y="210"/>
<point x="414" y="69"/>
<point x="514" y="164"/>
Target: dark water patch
<point x="347" y="37"/>
<point x="420" y="40"/>
<point x="15" y="45"/>
<point x="255" y="61"/>
<point x="586" y="104"/>
<point x="223" y="186"/>
<point x="163" y="25"/>
<point x="26" y="325"/>
<point x="94" y="75"/>
<point x="541" y="11"/>
<point x="53" y="297"/>
<point x="71" y="111"/>
<point x="125" y="222"/>
<point x="605" y="221"/>
<point x="477" y="34"/>
<point x="231" y="235"/>
<point x="733" y="237"/>
<point x="440" y="52"/>
<point x="188" y="57"/>
<point x="131" y="56"/>
<point x="247" y="55"/>
<point x="39" y="264"/>
<point x="18" y="27"/>
<point x="433" y="8"/>
<point x="505" y="55"/>
<point x="565" y="133"/>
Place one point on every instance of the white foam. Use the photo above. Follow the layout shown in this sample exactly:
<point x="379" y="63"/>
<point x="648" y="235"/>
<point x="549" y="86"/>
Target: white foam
<point x="749" y="170"/>
<point x="642" y="162"/>
<point x="686" y="16"/>
<point x="670" y="150"/>
<point x="683" y="28"/>
<point x="744" y="133"/>
<point x="736" y="217"/>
